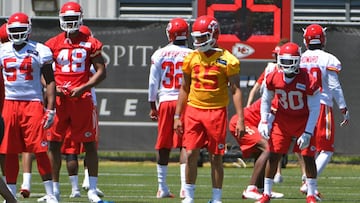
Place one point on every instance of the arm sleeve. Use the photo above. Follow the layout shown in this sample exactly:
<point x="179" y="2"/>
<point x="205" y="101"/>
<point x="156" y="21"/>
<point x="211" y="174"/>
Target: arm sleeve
<point x="154" y="82"/>
<point x="314" y="110"/>
<point x="265" y="107"/>
<point x="336" y="90"/>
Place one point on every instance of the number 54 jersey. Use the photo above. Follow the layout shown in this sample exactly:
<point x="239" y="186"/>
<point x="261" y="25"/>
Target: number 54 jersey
<point x="22" y="70"/>
<point x="73" y="58"/>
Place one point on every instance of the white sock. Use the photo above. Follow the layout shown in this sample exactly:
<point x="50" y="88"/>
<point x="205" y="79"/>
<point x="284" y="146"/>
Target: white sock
<point x="322" y="160"/>
<point x="56" y="187"/>
<point x="268" y="183"/>
<point x="216" y="194"/>
<point x="311" y="184"/>
<point x="189" y="190"/>
<point x="162" y="173"/>
<point x="12" y="188"/>
<point x="86" y="178"/>
<point x="48" y="187"/>
<point x="26" y="181"/>
<point x="74" y="182"/>
<point x="93" y="182"/>
<point x="182" y="175"/>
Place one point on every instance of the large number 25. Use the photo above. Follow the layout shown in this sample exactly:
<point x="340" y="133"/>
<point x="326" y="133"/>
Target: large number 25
<point x="172" y="78"/>
<point x="24" y="68"/>
<point x="72" y="60"/>
<point x="293" y="99"/>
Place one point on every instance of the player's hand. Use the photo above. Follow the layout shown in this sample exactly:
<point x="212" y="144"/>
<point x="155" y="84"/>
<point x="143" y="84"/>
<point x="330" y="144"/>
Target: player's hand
<point x="264" y="129"/>
<point x="346" y="115"/>
<point x="76" y="92"/>
<point x="153" y="114"/>
<point x="48" y="119"/>
<point x="178" y="127"/>
<point x="304" y="140"/>
<point x="240" y="129"/>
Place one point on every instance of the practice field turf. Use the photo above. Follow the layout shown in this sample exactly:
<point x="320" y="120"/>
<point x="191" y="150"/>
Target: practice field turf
<point x="133" y="182"/>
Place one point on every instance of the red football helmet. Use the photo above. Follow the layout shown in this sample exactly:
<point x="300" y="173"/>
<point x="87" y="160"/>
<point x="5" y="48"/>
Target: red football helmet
<point x="71" y="17"/>
<point x="205" y="32"/>
<point x="177" y="29"/>
<point x="18" y="28"/>
<point x="86" y="30"/>
<point x="314" y="34"/>
<point x="289" y="58"/>
<point x="3" y="34"/>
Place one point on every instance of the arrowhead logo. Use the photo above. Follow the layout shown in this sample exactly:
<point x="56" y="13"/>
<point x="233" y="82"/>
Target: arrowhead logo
<point x="242" y="50"/>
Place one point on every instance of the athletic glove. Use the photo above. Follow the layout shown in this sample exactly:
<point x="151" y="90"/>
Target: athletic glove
<point x="304" y="140"/>
<point x="264" y="129"/>
<point x="346" y="115"/>
<point x="48" y="119"/>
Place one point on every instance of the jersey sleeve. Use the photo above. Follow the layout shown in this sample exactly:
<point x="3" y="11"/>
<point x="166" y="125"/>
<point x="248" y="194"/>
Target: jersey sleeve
<point x="96" y="47"/>
<point x="333" y="64"/>
<point x="314" y="85"/>
<point x="233" y="67"/>
<point x="186" y="68"/>
<point x="154" y="78"/>
<point x="261" y="78"/>
<point x="45" y="54"/>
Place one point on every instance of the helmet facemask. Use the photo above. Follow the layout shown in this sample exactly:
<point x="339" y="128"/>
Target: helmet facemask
<point x="18" y="32"/>
<point x="70" y="22"/>
<point x="289" y="64"/>
<point x="203" y="41"/>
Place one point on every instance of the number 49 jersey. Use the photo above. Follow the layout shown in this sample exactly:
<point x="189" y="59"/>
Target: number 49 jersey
<point x="22" y="70"/>
<point x="73" y="58"/>
<point x="165" y="72"/>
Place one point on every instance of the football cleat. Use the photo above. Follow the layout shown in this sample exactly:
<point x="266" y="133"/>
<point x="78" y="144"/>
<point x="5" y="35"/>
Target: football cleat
<point x="163" y="194"/>
<point x="93" y="197"/>
<point x="251" y="194"/>
<point x="48" y="199"/>
<point x="278" y="178"/>
<point x="75" y="194"/>
<point x="310" y="199"/>
<point x="188" y="200"/>
<point x="264" y="199"/>
<point x="25" y="193"/>
<point x="276" y="195"/>
<point x="214" y="201"/>
<point x="51" y="199"/>
<point x="98" y="191"/>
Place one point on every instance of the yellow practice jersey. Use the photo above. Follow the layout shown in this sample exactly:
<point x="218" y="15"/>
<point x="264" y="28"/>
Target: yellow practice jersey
<point x="209" y="78"/>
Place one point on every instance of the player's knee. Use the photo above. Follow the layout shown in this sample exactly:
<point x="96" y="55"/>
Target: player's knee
<point x="71" y="157"/>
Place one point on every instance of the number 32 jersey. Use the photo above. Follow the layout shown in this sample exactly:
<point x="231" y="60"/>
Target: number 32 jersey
<point x="73" y="58"/>
<point x="22" y="70"/>
<point x="165" y="72"/>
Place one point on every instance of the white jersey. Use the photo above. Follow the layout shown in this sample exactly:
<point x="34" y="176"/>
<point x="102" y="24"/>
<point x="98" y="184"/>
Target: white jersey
<point x="325" y="67"/>
<point x="22" y="70"/>
<point x="165" y="72"/>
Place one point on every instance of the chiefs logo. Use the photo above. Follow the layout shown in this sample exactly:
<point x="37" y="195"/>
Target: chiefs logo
<point x="242" y="50"/>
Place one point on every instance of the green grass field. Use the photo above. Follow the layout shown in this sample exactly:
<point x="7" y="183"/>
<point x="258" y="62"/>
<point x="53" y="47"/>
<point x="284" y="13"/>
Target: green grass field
<point x="133" y="182"/>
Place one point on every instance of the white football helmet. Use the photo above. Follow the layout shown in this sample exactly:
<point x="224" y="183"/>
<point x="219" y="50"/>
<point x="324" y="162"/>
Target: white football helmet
<point x="289" y="58"/>
<point x="71" y="17"/>
<point x="18" y="28"/>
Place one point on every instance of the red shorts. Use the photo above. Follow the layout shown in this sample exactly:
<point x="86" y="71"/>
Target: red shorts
<point x="325" y="129"/>
<point x="167" y="138"/>
<point x="248" y="142"/>
<point x="77" y="115"/>
<point x="205" y="127"/>
<point x="23" y="130"/>
<point x="283" y="131"/>
<point x="71" y="147"/>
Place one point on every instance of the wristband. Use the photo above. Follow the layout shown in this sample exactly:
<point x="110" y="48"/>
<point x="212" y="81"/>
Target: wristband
<point x="308" y="133"/>
<point x="176" y="116"/>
